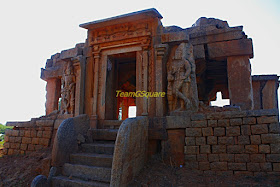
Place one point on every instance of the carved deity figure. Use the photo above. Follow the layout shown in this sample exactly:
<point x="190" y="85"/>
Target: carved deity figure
<point x="68" y="90"/>
<point x="180" y="76"/>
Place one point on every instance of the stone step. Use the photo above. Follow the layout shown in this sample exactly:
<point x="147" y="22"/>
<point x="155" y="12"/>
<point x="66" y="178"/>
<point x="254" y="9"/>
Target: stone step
<point x="62" y="181"/>
<point x="104" y="134"/>
<point x="111" y="124"/>
<point x="87" y="172"/>
<point x="98" y="147"/>
<point x="92" y="159"/>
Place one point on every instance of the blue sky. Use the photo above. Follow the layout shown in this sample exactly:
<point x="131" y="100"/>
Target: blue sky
<point x="31" y="31"/>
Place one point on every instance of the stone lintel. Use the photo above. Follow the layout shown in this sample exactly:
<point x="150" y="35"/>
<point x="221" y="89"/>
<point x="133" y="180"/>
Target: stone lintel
<point x="70" y="53"/>
<point x="201" y="31"/>
<point x="176" y="37"/>
<point x="218" y="50"/>
<point x="265" y="77"/>
<point x="51" y="73"/>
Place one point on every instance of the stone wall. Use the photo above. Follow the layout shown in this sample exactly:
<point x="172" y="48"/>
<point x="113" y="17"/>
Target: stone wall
<point x="32" y="135"/>
<point x="236" y="142"/>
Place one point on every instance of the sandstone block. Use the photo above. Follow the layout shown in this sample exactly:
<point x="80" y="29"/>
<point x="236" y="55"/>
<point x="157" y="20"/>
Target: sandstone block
<point x="213" y="158"/>
<point x="211" y="140"/>
<point x="18" y="139"/>
<point x="5" y="151"/>
<point x="190" y="140"/>
<point x="264" y="149"/>
<point x="15" y="132"/>
<point x="240" y="158"/>
<point x="267" y="119"/>
<point x="15" y="145"/>
<point x="218" y="166"/>
<point x="200" y="141"/>
<point x="193" y="132"/>
<point x="191" y="165"/>
<point x="12" y="139"/>
<point x="26" y="140"/>
<point x="21" y="133"/>
<point x="202" y="123"/>
<point x="223" y="122"/>
<point x="274" y="128"/>
<point x="224" y="173"/>
<point x="39" y="134"/>
<point x="219" y="149"/>
<point x="236" y="121"/>
<point x="270" y="138"/>
<point x="57" y="123"/>
<point x="47" y="134"/>
<point x="251" y="148"/>
<point x="6" y="145"/>
<point x="259" y="129"/>
<point x="8" y="132"/>
<point x="237" y="166"/>
<point x="233" y="131"/>
<point x="35" y="141"/>
<point x="45" y="123"/>
<point x="257" y="157"/>
<point x="10" y="152"/>
<point x="31" y="147"/>
<point x="266" y="166"/>
<point x="219" y="131"/>
<point x="275" y="148"/>
<point x="273" y="157"/>
<point x="33" y="133"/>
<point x="27" y="133"/>
<point x="204" y="166"/>
<point x="255" y="139"/>
<point x="205" y="149"/>
<point x="226" y="140"/>
<point x="6" y="138"/>
<point x="44" y="141"/>
<point x="23" y="147"/>
<point x="212" y="123"/>
<point x="198" y="117"/>
<point x="253" y="167"/>
<point x="245" y="130"/>
<point x="276" y="166"/>
<point x="189" y="158"/>
<point x="243" y="140"/>
<point x="207" y="131"/>
<point x="202" y="158"/>
<point x="226" y="157"/>
<point x="38" y="147"/>
<point x="249" y="120"/>
<point x="235" y="149"/>
<point x="191" y="150"/>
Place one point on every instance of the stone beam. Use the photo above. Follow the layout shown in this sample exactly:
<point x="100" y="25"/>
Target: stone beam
<point x="218" y="50"/>
<point x="174" y="37"/>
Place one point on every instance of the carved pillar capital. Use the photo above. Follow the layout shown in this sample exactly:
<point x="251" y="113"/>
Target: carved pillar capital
<point x="161" y="50"/>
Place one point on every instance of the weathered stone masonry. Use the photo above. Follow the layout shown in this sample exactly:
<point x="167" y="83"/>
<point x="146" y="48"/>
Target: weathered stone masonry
<point x="234" y="142"/>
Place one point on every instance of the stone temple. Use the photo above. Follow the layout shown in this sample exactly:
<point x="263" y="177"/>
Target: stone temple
<point x="169" y="75"/>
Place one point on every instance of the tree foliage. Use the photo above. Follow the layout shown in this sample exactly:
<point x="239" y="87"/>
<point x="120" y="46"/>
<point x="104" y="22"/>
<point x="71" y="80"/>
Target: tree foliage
<point x="3" y="128"/>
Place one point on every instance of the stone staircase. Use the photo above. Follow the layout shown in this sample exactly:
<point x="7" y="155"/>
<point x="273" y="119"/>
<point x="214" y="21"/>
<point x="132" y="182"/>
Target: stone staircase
<point x="92" y="165"/>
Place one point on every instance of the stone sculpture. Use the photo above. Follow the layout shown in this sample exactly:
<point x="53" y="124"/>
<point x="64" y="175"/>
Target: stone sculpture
<point x="181" y="79"/>
<point x="68" y="90"/>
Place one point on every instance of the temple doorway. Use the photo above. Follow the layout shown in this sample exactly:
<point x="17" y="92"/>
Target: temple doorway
<point x="121" y="78"/>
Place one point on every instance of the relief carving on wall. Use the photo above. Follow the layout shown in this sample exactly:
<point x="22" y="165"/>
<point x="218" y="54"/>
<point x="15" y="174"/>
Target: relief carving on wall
<point x="181" y="88"/>
<point x="120" y="32"/>
<point x="68" y="90"/>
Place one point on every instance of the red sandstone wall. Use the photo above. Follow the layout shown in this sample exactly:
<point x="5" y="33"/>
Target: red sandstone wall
<point x="245" y="142"/>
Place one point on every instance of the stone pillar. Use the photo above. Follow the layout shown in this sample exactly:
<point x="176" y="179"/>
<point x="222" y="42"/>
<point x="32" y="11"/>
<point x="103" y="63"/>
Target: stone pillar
<point x="96" y="56"/>
<point x="240" y="82"/>
<point x="160" y="79"/>
<point x="145" y="81"/>
<point x="139" y="82"/>
<point x="53" y="93"/>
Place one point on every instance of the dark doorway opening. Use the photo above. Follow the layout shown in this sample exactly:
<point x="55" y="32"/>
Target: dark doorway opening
<point x="121" y="77"/>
